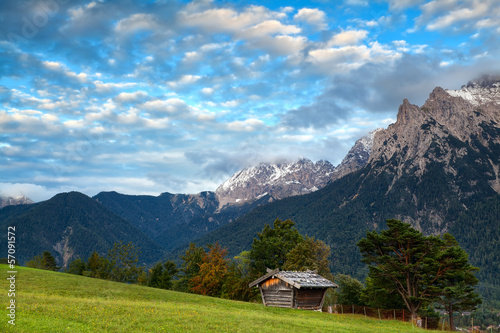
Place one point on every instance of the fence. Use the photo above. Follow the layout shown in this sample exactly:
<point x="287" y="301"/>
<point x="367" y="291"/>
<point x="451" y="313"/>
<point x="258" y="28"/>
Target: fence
<point x="393" y="314"/>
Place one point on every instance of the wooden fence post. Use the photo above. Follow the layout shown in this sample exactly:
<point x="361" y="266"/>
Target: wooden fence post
<point x="379" y="314"/>
<point x="394" y="314"/>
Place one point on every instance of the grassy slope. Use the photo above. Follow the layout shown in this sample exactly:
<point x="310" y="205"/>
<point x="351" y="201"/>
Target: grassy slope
<point x="58" y="302"/>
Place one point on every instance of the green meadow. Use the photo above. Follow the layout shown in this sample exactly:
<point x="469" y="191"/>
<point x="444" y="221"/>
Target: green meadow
<point x="58" y="302"/>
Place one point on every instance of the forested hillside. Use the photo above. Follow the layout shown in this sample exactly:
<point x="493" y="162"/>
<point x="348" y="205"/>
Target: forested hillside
<point x="174" y="219"/>
<point x="72" y="225"/>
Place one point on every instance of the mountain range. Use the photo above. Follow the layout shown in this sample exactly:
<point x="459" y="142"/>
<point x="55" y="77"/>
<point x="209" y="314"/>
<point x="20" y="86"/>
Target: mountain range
<point x="14" y="201"/>
<point x="436" y="167"/>
<point x="167" y="221"/>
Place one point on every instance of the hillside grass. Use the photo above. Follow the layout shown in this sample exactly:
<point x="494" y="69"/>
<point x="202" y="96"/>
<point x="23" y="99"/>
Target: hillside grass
<point x="59" y="302"/>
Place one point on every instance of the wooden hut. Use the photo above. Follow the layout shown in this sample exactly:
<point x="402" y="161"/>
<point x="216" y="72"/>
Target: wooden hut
<point x="296" y="290"/>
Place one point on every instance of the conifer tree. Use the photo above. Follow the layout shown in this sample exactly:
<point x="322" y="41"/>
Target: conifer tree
<point x="45" y="261"/>
<point x="403" y="260"/>
<point x="458" y="294"/>
<point x="161" y="275"/>
<point x="191" y="262"/>
<point x="98" y="266"/>
<point x="270" y="248"/>
<point x="124" y="259"/>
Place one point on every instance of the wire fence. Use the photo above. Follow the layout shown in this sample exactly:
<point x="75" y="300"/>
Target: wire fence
<point x="393" y="314"/>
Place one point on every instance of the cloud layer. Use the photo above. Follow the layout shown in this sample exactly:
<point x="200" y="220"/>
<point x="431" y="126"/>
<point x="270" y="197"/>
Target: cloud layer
<point x="175" y="96"/>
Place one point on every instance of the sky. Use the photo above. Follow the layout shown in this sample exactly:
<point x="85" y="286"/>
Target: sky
<point x="146" y="97"/>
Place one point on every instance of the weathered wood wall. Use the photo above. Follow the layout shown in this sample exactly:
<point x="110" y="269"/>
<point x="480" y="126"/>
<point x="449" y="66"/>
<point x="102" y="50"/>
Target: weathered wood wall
<point x="277" y="293"/>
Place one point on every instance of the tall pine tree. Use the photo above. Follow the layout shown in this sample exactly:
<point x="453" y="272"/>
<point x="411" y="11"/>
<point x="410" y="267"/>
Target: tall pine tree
<point x="403" y="260"/>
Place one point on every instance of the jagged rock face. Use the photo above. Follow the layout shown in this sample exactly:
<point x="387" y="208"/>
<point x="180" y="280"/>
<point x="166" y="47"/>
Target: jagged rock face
<point x="357" y="157"/>
<point x="279" y="180"/>
<point x="10" y="201"/>
<point x="454" y="134"/>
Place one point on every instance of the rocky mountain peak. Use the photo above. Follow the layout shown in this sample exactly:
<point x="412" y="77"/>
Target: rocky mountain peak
<point x="358" y="155"/>
<point x="278" y="180"/>
<point x="407" y="113"/>
<point x="455" y="130"/>
<point x="13" y="201"/>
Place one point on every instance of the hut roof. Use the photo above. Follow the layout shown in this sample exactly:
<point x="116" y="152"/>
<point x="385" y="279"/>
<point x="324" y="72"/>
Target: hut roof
<point x="307" y="279"/>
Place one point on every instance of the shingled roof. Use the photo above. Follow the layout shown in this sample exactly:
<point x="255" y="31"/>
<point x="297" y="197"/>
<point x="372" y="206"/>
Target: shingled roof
<point x="306" y="279"/>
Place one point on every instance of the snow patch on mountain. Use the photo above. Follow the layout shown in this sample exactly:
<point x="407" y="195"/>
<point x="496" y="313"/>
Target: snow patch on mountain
<point x="278" y="180"/>
<point x="482" y="91"/>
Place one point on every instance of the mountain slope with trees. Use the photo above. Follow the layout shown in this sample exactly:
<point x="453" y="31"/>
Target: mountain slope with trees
<point x="73" y="225"/>
<point x="175" y="219"/>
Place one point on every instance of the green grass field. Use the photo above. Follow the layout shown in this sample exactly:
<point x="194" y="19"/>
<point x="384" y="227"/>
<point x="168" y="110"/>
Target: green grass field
<point x="58" y="302"/>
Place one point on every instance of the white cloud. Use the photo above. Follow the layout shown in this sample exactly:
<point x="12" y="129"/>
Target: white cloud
<point x="210" y="20"/>
<point x="248" y="125"/>
<point x="126" y="97"/>
<point x="109" y="86"/>
<point x="61" y="68"/>
<point x="32" y="191"/>
<point x="213" y="46"/>
<point x="346" y="58"/>
<point x="192" y="56"/>
<point x="208" y="91"/>
<point x="136" y="23"/>
<point x="184" y="80"/>
<point x="348" y="37"/>
<point x="78" y="14"/>
<point x="459" y="15"/>
<point x="282" y="45"/>
<point x="206" y="116"/>
<point x="270" y="27"/>
<point x="398" y="5"/>
<point x="53" y="65"/>
<point x="230" y="104"/>
<point x="312" y="16"/>
<point x="170" y="106"/>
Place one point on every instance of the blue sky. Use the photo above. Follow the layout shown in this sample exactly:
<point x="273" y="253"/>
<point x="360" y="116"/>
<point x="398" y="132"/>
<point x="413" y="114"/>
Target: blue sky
<point x="175" y="96"/>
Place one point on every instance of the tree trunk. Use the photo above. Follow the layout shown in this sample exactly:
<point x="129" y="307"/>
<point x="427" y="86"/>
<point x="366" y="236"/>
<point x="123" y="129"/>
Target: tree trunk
<point x="450" y="316"/>
<point x="414" y="315"/>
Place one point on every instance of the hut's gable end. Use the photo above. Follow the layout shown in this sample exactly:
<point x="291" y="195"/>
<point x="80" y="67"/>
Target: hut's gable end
<point x="276" y="292"/>
<point x="275" y="284"/>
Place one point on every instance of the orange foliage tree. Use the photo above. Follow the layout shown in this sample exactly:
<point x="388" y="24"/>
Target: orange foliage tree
<point x="213" y="271"/>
